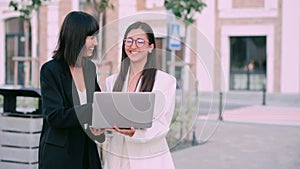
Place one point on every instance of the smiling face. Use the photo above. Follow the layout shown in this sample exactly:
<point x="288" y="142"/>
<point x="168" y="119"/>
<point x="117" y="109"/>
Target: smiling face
<point x="137" y="46"/>
<point x="90" y="43"/>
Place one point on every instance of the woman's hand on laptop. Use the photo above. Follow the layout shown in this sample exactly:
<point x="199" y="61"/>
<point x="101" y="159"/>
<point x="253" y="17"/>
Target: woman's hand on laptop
<point x="129" y="132"/>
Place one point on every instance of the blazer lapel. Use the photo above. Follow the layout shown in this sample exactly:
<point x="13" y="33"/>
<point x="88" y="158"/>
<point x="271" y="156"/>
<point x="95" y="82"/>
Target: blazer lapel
<point x="69" y="86"/>
<point x="89" y="79"/>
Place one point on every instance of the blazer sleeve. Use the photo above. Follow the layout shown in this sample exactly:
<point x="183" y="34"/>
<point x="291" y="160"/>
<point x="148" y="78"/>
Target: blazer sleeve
<point x="57" y="110"/>
<point x="165" y="99"/>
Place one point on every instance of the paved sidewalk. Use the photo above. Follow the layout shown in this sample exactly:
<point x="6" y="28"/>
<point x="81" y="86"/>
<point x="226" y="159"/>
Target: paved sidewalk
<point x="254" y="137"/>
<point x="244" y="146"/>
<point x="265" y="115"/>
<point x="259" y="114"/>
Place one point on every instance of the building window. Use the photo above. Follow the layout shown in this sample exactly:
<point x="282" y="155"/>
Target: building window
<point x="15" y="47"/>
<point x="247" y="63"/>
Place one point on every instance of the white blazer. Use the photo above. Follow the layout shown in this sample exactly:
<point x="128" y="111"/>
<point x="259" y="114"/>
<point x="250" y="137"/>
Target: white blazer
<point x="147" y="148"/>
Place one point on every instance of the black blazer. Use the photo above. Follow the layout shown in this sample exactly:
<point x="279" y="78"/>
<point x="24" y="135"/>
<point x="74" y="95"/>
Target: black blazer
<point x="64" y="143"/>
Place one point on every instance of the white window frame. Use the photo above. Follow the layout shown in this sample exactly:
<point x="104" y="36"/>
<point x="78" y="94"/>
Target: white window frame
<point x="249" y="30"/>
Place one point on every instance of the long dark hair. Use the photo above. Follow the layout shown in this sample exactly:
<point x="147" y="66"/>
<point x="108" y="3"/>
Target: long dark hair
<point x="149" y="71"/>
<point x="76" y="27"/>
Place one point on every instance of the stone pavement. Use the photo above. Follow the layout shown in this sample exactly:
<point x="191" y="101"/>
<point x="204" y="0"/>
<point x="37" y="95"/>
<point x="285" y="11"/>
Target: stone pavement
<point x="259" y="114"/>
<point x="265" y="115"/>
<point x="252" y="137"/>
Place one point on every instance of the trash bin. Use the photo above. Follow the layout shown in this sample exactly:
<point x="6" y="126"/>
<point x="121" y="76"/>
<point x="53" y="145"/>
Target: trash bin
<point x="20" y="129"/>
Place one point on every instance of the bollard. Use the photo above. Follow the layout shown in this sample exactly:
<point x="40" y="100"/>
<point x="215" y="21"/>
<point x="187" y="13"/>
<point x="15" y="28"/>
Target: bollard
<point x="264" y="95"/>
<point x="194" y="141"/>
<point x="181" y="129"/>
<point x="221" y="107"/>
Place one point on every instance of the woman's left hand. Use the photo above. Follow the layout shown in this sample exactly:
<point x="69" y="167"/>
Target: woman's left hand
<point x="129" y="132"/>
<point x="96" y="132"/>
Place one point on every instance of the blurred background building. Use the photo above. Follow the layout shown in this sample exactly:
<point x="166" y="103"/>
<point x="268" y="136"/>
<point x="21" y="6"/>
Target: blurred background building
<point x="234" y="45"/>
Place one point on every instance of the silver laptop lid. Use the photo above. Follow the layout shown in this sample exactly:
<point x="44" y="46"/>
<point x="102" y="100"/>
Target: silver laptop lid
<point x="124" y="109"/>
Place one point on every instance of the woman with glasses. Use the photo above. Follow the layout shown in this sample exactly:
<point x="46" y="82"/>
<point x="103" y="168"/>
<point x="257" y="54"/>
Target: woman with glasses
<point x="142" y="148"/>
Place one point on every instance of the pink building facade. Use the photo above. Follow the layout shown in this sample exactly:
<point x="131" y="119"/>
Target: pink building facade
<point x="233" y="45"/>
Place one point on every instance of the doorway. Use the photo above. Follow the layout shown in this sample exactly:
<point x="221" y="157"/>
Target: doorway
<point x="248" y="63"/>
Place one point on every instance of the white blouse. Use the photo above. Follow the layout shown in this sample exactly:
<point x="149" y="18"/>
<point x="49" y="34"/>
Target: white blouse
<point x="82" y="100"/>
<point x="82" y="96"/>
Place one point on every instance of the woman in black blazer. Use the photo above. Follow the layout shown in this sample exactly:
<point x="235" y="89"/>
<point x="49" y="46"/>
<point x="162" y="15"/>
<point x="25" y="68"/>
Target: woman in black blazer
<point x="68" y="82"/>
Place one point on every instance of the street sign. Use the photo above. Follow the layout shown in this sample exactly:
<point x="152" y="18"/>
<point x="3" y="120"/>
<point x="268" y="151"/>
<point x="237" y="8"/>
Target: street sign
<point x="174" y="36"/>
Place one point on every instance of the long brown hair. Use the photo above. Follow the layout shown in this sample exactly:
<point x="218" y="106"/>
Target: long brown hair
<point x="149" y="71"/>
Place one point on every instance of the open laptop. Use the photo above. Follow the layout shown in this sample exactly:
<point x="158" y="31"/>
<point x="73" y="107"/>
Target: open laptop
<point x="124" y="109"/>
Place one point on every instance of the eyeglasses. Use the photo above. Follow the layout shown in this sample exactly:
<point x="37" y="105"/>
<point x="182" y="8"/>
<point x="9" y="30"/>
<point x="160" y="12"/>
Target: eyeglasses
<point x="139" y="42"/>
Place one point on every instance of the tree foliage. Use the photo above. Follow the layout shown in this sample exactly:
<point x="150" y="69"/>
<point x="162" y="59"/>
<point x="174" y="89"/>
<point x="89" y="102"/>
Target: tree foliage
<point x="101" y="5"/>
<point x="185" y="9"/>
<point x="26" y="7"/>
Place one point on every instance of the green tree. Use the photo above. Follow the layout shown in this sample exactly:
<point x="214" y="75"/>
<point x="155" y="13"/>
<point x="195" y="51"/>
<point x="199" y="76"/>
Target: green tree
<point x="185" y="10"/>
<point x="26" y="7"/>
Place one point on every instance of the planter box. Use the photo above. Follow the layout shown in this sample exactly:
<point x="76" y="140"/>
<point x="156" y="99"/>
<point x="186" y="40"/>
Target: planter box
<point x="9" y="165"/>
<point x="29" y="140"/>
<point x="19" y="141"/>
<point x="19" y="155"/>
<point x="20" y="124"/>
